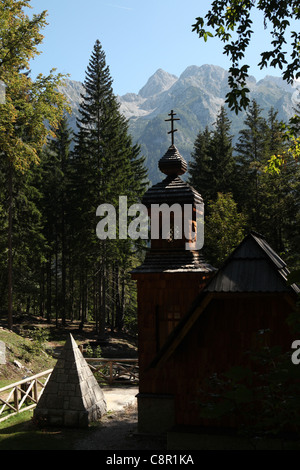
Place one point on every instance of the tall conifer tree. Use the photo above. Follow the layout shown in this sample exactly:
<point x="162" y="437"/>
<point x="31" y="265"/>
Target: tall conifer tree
<point x="223" y="163"/>
<point x="200" y="166"/>
<point x="212" y="165"/>
<point x="106" y="166"/>
<point x="57" y="211"/>
<point x="252" y="153"/>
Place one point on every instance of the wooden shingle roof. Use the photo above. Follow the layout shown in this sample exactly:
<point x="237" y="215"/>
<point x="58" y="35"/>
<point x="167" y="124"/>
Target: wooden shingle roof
<point x="170" y="191"/>
<point x="252" y="267"/>
<point x="172" y="163"/>
<point x="173" y="261"/>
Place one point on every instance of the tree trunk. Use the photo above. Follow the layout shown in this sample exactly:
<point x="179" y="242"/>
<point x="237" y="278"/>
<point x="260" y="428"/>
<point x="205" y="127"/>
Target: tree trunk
<point x="42" y="292"/>
<point x="120" y="303"/>
<point x="49" y="290"/>
<point x="63" y="273"/>
<point x="121" y="320"/>
<point x="56" y="279"/>
<point x="101" y="303"/>
<point x="10" y="257"/>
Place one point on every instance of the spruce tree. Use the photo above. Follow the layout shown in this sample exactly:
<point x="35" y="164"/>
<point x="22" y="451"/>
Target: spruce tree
<point x="274" y="188"/>
<point x="200" y="166"/>
<point x="56" y="208"/>
<point x="106" y="165"/>
<point x="212" y="165"/>
<point x="251" y="154"/>
<point x="223" y="163"/>
<point x="27" y="239"/>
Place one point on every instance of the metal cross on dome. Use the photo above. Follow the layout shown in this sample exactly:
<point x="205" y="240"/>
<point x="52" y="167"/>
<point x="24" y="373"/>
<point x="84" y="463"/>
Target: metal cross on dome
<point x="172" y="119"/>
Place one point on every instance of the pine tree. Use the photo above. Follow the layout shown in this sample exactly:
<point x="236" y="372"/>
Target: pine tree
<point x="27" y="241"/>
<point x="105" y="165"/>
<point x="56" y="208"/>
<point x="212" y="166"/>
<point x="222" y="158"/>
<point x="274" y="188"/>
<point x="252" y="154"/>
<point x="200" y="166"/>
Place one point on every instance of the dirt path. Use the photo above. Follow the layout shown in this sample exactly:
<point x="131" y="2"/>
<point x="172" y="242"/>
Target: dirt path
<point x="117" y="398"/>
<point x="118" y="431"/>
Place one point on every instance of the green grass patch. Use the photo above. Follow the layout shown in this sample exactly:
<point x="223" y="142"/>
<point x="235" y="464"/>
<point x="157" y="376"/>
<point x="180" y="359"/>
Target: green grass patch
<point x="28" y="351"/>
<point x="20" y="433"/>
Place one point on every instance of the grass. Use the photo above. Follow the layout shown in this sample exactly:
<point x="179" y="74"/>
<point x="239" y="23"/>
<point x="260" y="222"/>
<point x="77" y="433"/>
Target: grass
<point x="26" y="351"/>
<point x="20" y="433"/>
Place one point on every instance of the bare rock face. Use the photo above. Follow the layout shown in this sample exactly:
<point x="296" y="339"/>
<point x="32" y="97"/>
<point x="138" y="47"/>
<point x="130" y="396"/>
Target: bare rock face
<point x="157" y="83"/>
<point x="72" y="396"/>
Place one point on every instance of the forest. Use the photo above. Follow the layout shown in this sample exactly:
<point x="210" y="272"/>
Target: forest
<point x="51" y="262"/>
<point x="242" y="190"/>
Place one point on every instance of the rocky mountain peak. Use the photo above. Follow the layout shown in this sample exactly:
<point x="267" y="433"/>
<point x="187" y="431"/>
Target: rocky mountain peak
<point x="196" y="97"/>
<point x="160" y="81"/>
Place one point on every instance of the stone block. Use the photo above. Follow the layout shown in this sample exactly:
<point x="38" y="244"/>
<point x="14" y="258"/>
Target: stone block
<point x="71" y="418"/>
<point x="55" y="420"/>
<point x="76" y="403"/>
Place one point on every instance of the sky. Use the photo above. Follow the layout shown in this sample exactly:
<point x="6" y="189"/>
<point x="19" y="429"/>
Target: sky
<point x="137" y="36"/>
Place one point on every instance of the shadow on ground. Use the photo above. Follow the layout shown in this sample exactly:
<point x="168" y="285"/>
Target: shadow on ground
<point x="118" y="431"/>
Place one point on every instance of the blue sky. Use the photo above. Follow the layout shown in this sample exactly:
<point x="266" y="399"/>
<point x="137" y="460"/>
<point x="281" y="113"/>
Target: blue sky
<point x="138" y="37"/>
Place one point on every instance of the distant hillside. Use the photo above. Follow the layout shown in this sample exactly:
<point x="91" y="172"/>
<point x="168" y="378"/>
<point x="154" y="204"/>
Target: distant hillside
<point x="196" y="97"/>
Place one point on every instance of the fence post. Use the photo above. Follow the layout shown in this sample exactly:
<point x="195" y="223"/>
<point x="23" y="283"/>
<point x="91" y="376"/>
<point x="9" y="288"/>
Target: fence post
<point x="35" y="391"/>
<point x="110" y="372"/>
<point x="16" y="401"/>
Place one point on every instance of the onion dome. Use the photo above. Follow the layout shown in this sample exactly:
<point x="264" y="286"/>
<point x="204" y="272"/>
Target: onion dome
<point x="172" y="163"/>
<point x="172" y="189"/>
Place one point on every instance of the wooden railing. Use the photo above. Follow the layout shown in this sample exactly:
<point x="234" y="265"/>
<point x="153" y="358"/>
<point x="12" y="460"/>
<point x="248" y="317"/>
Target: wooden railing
<point x="115" y="370"/>
<point x="22" y="395"/>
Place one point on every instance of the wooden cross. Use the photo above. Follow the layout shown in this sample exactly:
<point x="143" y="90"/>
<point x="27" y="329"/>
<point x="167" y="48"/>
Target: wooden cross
<point x="172" y="131"/>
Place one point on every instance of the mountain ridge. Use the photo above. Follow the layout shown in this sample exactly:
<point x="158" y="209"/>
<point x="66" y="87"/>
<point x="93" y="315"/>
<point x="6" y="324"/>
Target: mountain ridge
<point x="196" y="96"/>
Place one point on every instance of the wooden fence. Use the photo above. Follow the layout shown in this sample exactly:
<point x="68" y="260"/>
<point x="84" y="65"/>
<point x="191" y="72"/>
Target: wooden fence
<point x="115" y="371"/>
<point x="22" y="395"/>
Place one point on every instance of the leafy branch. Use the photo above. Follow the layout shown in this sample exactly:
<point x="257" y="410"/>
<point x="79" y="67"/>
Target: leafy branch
<point x="234" y="16"/>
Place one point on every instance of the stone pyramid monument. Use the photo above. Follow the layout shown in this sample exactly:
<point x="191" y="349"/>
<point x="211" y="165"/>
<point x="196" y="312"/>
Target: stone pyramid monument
<point x="72" y="397"/>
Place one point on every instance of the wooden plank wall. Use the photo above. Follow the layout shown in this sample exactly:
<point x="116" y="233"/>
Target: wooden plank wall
<point x="219" y="339"/>
<point x="163" y="299"/>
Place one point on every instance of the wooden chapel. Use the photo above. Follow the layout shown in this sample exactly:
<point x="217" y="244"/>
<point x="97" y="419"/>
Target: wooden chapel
<point x="194" y="320"/>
